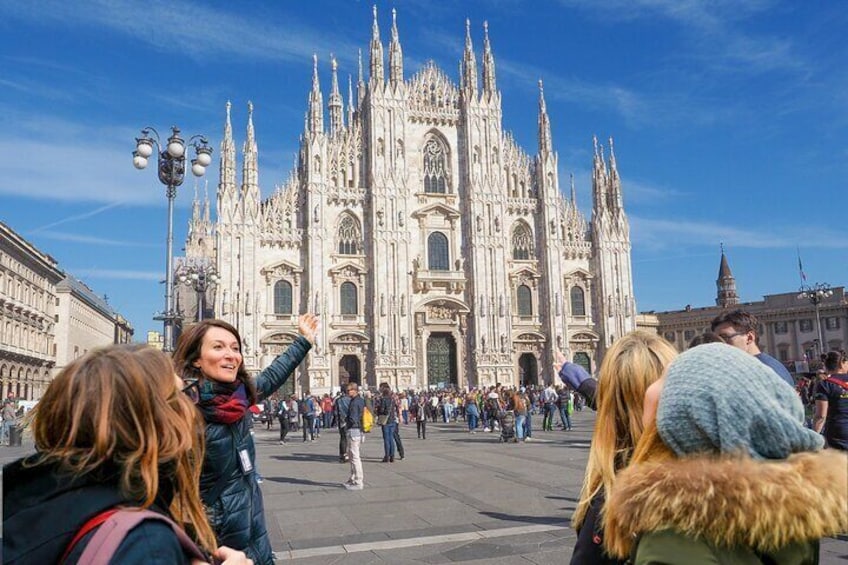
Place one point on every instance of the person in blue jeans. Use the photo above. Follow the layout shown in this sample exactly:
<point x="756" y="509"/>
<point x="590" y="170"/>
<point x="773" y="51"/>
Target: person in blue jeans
<point x="386" y="410"/>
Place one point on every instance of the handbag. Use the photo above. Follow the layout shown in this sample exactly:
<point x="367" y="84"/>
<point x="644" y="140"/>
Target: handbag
<point x="383" y="419"/>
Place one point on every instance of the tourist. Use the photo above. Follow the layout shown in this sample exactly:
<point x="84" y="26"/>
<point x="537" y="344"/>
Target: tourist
<point x="209" y="354"/>
<point x="386" y="412"/>
<point x="741" y="329"/>
<point x="355" y="437"/>
<point x="113" y="430"/>
<point x="630" y="365"/>
<point x="832" y="401"/>
<point x="727" y="472"/>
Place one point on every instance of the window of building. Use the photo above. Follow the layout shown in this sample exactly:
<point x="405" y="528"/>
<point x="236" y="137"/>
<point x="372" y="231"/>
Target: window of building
<point x="780" y="328"/>
<point x="688" y="335"/>
<point x="783" y="353"/>
<point x="525" y="301"/>
<point x="522" y="242"/>
<point x="437" y="252"/>
<point x="282" y="297"/>
<point x="435" y="167"/>
<point x="350" y="236"/>
<point x="578" y="301"/>
<point x="805" y="325"/>
<point x="831" y="323"/>
<point x="349" y="299"/>
<point x="670" y="337"/>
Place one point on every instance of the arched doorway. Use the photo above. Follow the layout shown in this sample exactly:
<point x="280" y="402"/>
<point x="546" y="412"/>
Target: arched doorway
<point x="349" y="370"/>
<point x="528" y="370"/>
<point x="441" y="360"/>
<point x="582" y="358"/>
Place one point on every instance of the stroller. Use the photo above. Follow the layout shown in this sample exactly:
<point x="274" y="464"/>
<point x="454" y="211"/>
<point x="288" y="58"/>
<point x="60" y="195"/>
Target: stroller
<point x="507" y="421"/>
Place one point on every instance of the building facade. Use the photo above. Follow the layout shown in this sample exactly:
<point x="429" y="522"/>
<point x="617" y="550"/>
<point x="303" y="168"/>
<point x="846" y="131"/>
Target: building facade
<point x="28" y="280"/>
<point x="435" y="250"/>
<point x="789" y="323"/>
<point x="47" y="318"/>
<point x="84" y="321"/>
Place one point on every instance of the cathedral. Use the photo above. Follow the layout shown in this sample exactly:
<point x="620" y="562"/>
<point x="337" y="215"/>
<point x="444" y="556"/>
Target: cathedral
<point x="435" y="250"/>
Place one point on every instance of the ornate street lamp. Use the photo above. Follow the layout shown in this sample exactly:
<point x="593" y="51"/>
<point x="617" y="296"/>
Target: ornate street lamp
<point x="171" y="173"/>
<point x="816" y="294"/>
<point x="200" y="278"/>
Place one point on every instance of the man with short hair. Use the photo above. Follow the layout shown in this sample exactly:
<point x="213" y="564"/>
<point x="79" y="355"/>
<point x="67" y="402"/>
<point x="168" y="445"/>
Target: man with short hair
<point x="355" y="437"/>
<point x="741" y="330"/>
<point x="341" y="407"/>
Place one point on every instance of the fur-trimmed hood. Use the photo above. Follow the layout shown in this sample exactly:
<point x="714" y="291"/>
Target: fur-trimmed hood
<point x="731" y="501"/>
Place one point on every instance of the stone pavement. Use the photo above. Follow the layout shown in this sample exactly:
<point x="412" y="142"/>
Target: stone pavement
<point x="455" y="498"/>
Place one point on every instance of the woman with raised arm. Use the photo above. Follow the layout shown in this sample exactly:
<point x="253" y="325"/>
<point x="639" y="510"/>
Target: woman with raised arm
<point x="209" y="358"/>
<point x="118" y="454"/>
<point x="630" y="366"/>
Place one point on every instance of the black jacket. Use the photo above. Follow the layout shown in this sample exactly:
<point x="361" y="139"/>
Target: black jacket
<point x="353" y="418"/>
<point x="232" y="496"/>
<point x="589" y="549"/>
<point x="43" y="511"/>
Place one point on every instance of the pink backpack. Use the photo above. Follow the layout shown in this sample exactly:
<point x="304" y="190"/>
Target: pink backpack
<point x="113" y="525"/>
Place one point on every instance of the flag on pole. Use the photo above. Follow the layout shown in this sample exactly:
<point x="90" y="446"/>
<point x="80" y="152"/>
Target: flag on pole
<point x="801" y="268"/>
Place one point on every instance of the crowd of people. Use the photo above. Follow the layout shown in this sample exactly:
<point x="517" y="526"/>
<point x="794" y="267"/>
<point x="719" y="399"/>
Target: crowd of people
<point x="699" y="457"/>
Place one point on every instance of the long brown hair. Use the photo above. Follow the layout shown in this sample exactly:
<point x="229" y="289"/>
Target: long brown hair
<point x="630" y="366"/>
<point x="119" y="407"/>
<point x="188" y="351"/>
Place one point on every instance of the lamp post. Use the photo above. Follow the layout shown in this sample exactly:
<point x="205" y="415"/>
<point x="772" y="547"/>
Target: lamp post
<point x="816" y="294"/>
<point x="171" y="160"/>
<point x="200" y="278"/>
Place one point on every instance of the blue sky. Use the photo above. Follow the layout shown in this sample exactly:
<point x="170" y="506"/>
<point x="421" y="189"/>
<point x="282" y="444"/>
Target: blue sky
<point x="729" y="118"/>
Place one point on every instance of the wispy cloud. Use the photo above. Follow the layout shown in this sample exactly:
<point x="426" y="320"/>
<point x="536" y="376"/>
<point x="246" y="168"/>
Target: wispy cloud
<point x="75" y="217"/>
<point x="117" y="274"/>
<point x="91" y="240"/>
<point x="658" y="235"/>
<point x="716" y="35"/>
<point x="165" y="26"/>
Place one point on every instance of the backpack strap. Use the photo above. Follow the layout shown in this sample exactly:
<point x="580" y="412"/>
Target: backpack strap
<point x="92" y="523"/>
<point x="837" y="382"/>
<point x="112" y="531"/>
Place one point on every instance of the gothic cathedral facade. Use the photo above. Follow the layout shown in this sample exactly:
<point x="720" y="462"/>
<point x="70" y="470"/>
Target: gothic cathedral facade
<point x="434" y="249"/>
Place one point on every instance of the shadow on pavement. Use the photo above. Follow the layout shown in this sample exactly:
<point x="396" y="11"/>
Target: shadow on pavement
<point x="297" y="481"/>
<point x="306" y="457"/>
<point x="549" y="520"/>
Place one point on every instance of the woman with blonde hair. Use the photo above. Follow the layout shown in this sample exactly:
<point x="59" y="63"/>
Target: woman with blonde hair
<point x="112" y="431"/>
<point x="727" y="472"/>
<point x="630" y="366"/>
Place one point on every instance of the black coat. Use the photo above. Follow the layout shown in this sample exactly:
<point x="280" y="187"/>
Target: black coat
<point x="43" y="511"/>
<point x="233" y="498"/>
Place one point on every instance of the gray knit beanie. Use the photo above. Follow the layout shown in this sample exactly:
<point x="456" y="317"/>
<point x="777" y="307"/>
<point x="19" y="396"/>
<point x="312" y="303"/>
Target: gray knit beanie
<point x="717" y="398"/>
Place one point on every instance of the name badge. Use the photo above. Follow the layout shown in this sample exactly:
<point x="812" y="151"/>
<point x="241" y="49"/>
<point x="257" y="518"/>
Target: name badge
<point x="244" y="460"/>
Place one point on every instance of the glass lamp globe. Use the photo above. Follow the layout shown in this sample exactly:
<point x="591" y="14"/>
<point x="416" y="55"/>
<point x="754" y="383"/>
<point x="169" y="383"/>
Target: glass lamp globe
<point x="139" y="162"/>
<point x="197" y="169"/>
<point x="204" y="156"/>
<point x="176" y="148"/>
<point x="144" y="148"/>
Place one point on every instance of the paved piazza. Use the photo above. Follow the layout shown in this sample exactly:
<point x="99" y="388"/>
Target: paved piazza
<point x="455" y="498"/>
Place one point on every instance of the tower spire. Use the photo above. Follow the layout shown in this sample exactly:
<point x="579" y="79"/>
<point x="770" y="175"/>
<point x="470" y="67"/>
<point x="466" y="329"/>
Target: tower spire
<point x="599" y="178"/>
<point x="206" y="213"/>
<point x="315" y="113"/>
<point x="351" y="107"/>
<point x="395" y="54"/>
<point x="489" y="86"/>
<point x="250" y="167"/>
<point x="334" y="103"/>
<point x="227" y="169"/>
<point x="469" y="63"/>
<point x="614" y="180"/>
<point x="573" y="192"/>
<point x="545" y="143"/>
<point x="376" y="52"/>
<point x="725" y="284"/>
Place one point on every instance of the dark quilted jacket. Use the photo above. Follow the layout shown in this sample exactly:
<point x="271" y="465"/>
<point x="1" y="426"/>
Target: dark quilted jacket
<point x="237" y="514"/>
